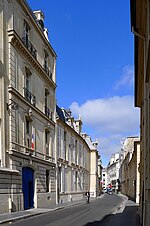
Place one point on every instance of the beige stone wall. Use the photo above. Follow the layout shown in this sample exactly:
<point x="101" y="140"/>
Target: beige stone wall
<point x="77" y="165"/>
<point x="10" y="191"/>
<point x="15" y="60"/>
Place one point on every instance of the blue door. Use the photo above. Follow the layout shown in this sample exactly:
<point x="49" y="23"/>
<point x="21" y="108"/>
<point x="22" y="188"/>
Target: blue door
<point x="28" y="187"/>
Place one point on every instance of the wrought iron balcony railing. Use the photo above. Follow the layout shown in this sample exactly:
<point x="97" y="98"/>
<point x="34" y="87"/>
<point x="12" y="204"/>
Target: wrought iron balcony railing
<point x="30" y="47"/>
<point x="46" y="69"/>
<point x="29" y="96"/>
<point x="48" y="72"/>
<point x="48" y="112"/>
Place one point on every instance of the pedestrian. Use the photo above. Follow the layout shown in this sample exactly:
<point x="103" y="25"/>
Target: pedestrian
<point x="88" y="196"/>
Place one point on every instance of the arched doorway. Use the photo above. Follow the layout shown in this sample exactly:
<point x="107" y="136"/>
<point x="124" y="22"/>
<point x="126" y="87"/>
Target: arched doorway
<point x="28" y="187"/>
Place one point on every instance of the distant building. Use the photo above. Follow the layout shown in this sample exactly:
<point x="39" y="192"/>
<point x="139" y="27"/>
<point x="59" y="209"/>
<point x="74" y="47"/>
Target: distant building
<point x="113" y="172"/>
<point x="129" y="169"/>
<point x="77" y="159"/>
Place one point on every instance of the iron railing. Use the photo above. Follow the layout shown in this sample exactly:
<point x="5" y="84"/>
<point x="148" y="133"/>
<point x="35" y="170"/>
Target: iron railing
<point x="48" y="112"/>
<point x="30" y="47"/>
<point x="48" y="72"/>
<point x="29" y="96"/>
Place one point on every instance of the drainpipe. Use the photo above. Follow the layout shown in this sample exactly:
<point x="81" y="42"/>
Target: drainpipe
<point x="144" y="202"/>
<point x="137" y="34"/>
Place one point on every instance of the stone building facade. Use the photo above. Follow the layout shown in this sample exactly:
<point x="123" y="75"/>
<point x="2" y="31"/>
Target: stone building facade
<point x="44" y="159"/>
<point x="27" y="109"/>
<point x="113" y="172"/>
<point x="129" y="169"/>
<point x="77" y="159"/>
<point x="140" y="26"/>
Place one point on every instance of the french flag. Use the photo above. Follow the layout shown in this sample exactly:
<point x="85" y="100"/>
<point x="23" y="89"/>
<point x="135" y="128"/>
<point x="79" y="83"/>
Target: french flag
<point x="32" y="142"/>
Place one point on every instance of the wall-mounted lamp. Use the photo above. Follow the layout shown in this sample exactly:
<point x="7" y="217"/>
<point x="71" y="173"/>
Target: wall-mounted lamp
<point x="13" y="105"/>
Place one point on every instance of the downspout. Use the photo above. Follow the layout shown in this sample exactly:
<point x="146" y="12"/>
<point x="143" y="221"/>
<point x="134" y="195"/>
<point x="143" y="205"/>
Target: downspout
<point x="144" y="203"/>
<point x="137" y="34"/>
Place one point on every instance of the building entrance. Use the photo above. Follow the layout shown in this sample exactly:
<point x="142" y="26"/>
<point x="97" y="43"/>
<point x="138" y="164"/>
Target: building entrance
<point x="28" y="187"/>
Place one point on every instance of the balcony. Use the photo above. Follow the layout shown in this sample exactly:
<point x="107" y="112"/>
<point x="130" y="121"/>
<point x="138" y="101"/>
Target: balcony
<point x="30" y="47"/>
<point x="29" y="96"/>
<point x="48" y="112"/>
<point x="48" y="72"/>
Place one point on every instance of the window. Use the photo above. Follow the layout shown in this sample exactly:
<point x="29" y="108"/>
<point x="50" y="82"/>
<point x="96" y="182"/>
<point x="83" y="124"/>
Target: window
<point x="65" y="134"/>
<point x="45" y="59"/>
<point x="48" y="112"/>
<point x="26" y="40"/>
<point x="46" y="63"/>
<point x="27" y="81"/>
<point x="28" y="132"/>
<point x="47" y="142"/>
<point x="27" y="89"/>
<point x="27" y="126"/>
<point x="46" y="98"/>
<point x="76" y="180"/>
<point x="26" y="31"/>
<point x="47" y="180"/>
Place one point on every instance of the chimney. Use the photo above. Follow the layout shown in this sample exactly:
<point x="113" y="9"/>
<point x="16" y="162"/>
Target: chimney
<point x="78" y="125"/>
<point x="39" y="16"/>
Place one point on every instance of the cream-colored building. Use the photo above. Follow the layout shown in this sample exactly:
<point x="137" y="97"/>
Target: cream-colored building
<point x="77" y="159"/>
<point x="113" y="171"/>
<point x="27" y="109"/>
<point x="41" y="162"/>
<point x="140" y="25"/>
<point x="129" y="170"/>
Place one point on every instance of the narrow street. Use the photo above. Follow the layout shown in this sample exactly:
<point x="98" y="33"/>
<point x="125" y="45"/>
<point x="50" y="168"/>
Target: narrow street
<point x="83" y="214"/>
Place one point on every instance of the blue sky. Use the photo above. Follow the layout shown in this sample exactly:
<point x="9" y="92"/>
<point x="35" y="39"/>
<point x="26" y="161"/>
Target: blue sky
<point x="94" y="44"/>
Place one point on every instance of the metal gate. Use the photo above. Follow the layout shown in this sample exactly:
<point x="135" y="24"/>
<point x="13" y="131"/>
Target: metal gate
<point x="28" y="187"/>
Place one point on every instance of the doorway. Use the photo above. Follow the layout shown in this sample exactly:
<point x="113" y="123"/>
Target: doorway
<point x="28" y="187"/>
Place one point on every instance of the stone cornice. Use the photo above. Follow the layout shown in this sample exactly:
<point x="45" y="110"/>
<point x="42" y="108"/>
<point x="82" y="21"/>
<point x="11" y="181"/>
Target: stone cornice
<point x="15" y="40"/>
<point x="30" y="157"/>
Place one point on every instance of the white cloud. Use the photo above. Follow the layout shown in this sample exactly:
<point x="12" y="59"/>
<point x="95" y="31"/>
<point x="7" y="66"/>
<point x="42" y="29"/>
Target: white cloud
<point x="126" y="78"/>
<point x="112" y="115"/>
<point x="110" y="119"/>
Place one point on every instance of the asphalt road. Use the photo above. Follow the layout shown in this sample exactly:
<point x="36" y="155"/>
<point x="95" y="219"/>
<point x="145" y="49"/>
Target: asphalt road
<point x="80" y="215"/>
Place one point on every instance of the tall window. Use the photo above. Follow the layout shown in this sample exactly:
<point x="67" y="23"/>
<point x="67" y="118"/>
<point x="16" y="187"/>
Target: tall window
<point x="76" y="152"/>
<point x="59" y="141"/>
<point x="28" y="133"/>
<point x="46" y="98"/>
<point x="76" y="180"/>
<point x="65" y="145"/>
<point x="45" y="59"/>
<point x="26" y="32"/>
<point x="47" y="142"/>
<point x="47" y="180"/>
<point x="27" y="81"/>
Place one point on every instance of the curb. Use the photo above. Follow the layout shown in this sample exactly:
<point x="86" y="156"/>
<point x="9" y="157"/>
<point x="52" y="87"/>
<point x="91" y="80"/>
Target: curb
<point x="31" y="214"/>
